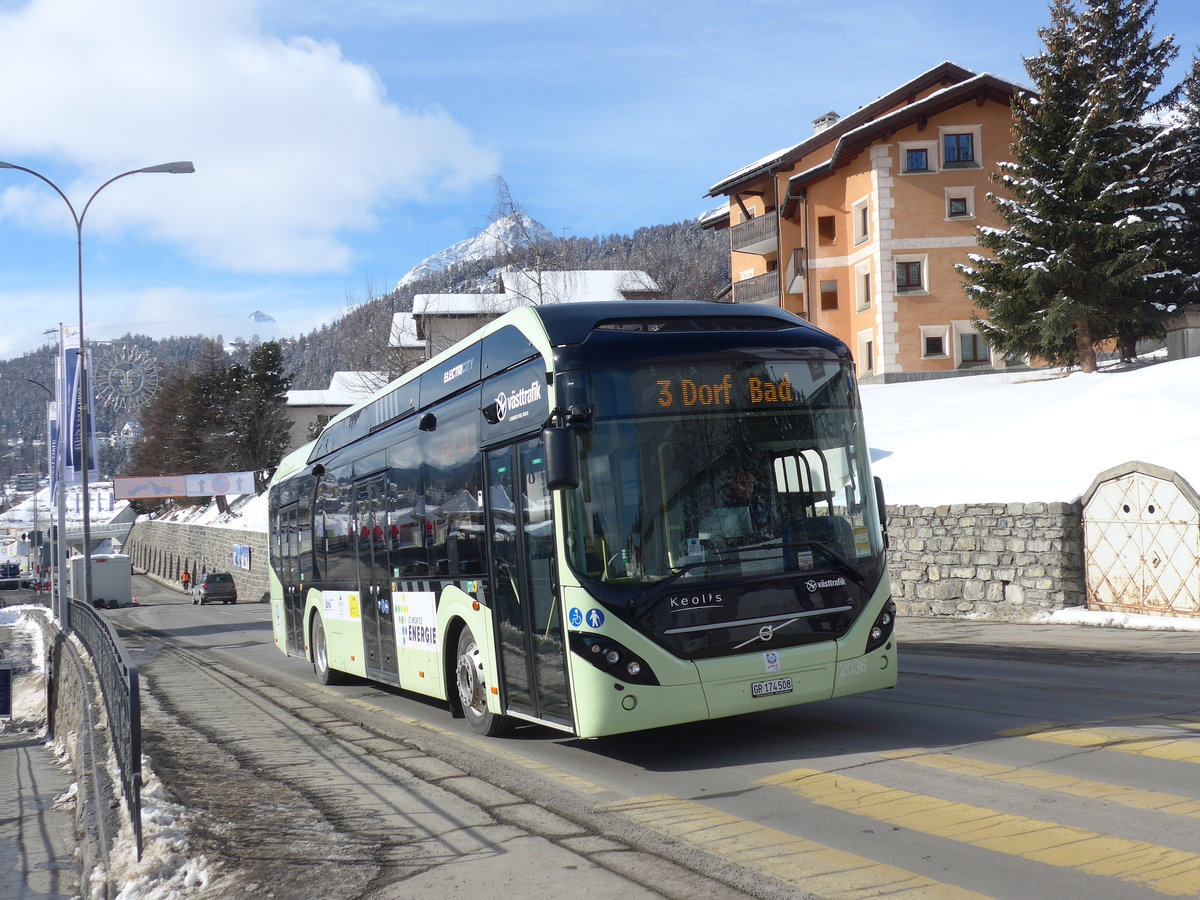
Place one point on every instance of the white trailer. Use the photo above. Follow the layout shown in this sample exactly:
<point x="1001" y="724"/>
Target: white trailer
<point x="112" y="579"/>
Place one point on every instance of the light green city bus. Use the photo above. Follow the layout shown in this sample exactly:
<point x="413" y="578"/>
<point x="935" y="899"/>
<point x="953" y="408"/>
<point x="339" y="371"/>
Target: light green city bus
<point x="596" y="517"/>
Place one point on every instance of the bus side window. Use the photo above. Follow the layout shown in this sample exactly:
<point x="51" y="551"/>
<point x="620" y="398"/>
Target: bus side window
<point x="453" y="489"/>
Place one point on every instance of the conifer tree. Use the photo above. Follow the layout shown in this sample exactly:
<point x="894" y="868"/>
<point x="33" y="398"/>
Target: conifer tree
<point x="1084" y="257"/>
<point x="1185" y="178"/>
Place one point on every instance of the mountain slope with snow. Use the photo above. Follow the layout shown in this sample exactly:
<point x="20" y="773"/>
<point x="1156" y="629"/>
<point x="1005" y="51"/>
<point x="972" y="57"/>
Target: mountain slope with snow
<point x="497" y="238"/>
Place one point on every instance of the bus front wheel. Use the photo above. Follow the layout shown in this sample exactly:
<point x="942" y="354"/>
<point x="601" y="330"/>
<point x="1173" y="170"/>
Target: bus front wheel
<point x="320" y="656"/>
<point x="472" y="688"/>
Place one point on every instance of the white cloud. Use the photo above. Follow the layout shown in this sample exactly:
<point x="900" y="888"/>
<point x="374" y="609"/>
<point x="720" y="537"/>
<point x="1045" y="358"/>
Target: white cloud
<point x="294" y="145"/>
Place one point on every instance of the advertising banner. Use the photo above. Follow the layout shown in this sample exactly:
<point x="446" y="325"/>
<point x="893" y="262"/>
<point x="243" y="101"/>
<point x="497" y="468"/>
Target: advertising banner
<point x="52" y="430"/>
<point x="75" y="364"/>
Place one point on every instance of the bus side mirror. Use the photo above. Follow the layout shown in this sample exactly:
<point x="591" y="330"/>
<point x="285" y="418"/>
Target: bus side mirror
<point x="562" y="457"/>
<point x="879" y="502"/>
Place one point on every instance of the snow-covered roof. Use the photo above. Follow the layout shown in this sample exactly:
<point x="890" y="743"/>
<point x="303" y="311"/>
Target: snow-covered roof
<point x="713" y="216"/>
<point x="345" y="389"/>
<point x="534" y="289"/>
<point x="943" y="72"/>
<point x="404" y="331"/>
<point x="457" y="304"/>
<point x="577" y="286"/>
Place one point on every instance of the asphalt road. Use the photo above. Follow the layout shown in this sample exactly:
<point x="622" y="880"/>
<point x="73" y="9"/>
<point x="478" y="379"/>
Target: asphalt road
<point x="1065" y="765"/>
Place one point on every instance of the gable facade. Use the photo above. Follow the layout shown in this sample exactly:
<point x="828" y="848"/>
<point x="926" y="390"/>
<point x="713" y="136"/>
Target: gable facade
<point x="858" y="228"/>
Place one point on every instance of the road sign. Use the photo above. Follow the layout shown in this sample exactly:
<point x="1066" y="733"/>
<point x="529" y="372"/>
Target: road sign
<point x="160" y="487"/>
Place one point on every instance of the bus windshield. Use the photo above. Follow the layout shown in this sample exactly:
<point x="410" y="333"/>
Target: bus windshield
<point x="703" y="469"/>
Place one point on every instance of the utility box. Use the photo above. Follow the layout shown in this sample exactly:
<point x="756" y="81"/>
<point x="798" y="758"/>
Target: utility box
<point x="112" y="580"/>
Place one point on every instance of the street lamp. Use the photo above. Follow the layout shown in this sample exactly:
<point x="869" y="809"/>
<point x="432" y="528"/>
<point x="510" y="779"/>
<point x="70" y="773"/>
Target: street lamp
<point x="171" y="168"/>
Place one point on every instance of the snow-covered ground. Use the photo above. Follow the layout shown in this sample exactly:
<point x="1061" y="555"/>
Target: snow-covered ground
<point x="1035" y="436"/>
<point x="1030" y="436"/>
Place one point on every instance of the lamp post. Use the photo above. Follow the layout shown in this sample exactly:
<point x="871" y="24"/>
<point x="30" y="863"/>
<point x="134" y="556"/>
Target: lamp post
<point x="171" y="168"/>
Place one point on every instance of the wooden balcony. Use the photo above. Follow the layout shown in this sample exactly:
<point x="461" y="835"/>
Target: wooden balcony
<point x="758" y="235"/>
<point x="759" y="289"/>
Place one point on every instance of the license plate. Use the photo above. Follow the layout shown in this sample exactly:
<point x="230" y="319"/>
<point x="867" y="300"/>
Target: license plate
<point x="767" y="688"/>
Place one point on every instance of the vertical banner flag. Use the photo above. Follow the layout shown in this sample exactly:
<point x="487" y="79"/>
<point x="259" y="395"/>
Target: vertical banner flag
<point x="52" y="430"/>
<point x="75" y="362"/>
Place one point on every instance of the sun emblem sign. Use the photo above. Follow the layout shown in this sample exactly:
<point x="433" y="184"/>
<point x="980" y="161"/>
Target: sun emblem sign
<point x="127" y="378"/>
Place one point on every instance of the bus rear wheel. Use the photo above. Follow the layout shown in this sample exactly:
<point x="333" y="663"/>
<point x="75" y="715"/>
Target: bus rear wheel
<point x="320" y="656"/>
<point x="472" y="689"/>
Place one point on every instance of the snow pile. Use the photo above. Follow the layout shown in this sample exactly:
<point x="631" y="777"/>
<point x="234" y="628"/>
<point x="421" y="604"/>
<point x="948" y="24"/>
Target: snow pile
<point x="1100" y="619"/>
<point x="168" y="869"/>
<point x="27" y="651"/>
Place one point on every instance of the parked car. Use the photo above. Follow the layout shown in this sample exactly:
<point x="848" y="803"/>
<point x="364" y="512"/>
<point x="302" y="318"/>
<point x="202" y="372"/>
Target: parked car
<point x="215" y="586"/>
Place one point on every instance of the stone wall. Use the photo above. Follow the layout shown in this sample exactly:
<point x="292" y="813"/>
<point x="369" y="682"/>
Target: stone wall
<point x="987" y="560"/>
<point x="990" y="560"/>
<point x="163" y="550"/>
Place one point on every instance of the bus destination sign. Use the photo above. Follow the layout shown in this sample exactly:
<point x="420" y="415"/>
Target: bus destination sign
<point x="753" y="390"/>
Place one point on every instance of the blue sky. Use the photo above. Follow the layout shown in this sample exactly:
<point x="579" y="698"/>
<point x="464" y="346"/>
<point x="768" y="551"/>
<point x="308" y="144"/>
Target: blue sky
<point x="338" y="143"/>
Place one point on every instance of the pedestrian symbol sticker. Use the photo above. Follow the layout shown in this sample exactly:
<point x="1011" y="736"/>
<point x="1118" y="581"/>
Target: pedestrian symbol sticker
<point x="595" y="618"/>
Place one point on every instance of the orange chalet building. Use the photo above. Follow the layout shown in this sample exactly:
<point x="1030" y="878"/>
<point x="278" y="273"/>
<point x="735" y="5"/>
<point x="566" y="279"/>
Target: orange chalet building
<point x="857" y="229"/>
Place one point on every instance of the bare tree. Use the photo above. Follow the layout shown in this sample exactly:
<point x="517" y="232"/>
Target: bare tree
<point x="531" y="259"/>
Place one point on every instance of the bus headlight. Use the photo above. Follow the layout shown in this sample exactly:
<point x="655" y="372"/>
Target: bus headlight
<point x="881" y="630"/>
<point x="612" y="658"/>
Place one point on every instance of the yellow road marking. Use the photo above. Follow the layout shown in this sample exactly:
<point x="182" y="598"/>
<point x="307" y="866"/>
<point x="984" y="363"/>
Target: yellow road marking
<point x="813" y="867"/>
<point x="1157" y="801"/>
<point x="1163" y="869"/>
<point x="1185" y="748"/>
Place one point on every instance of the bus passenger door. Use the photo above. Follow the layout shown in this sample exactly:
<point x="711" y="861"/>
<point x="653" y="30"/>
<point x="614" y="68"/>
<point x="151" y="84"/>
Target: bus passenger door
<point x="293" y="594"/>
<point x="529" y="618"/>
<point x="374" y="587"/>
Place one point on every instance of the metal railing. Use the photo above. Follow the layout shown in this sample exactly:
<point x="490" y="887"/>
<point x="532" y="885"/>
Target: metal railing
<point x="757" y="235"/>
<point x="118" y="677"/>
<point x="759" y="289"/>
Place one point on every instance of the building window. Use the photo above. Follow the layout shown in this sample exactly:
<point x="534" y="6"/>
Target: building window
<point x="826" y="230"/>
<point x="916" y="160"/>
<point x="862" y="221"/>
<point x="918" y="157"/>
<point x="958" y="150"/>
<point x="829" y="295"/>
<point x="909" y="277"/>
<point x="974" y="350"/>
<point x="960" y="202"/>
<point x="862" y="275"/>
<point x="935" y="342"/>
<point x="865" y="341"/>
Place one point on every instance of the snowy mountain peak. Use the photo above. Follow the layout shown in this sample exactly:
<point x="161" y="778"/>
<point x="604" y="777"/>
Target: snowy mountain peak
<point x="499" y="236"/>
<point x="259" y="316"/>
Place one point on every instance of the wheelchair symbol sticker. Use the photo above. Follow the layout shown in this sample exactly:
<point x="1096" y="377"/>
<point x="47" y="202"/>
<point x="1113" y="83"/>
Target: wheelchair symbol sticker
<point x="575" y="617"/>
